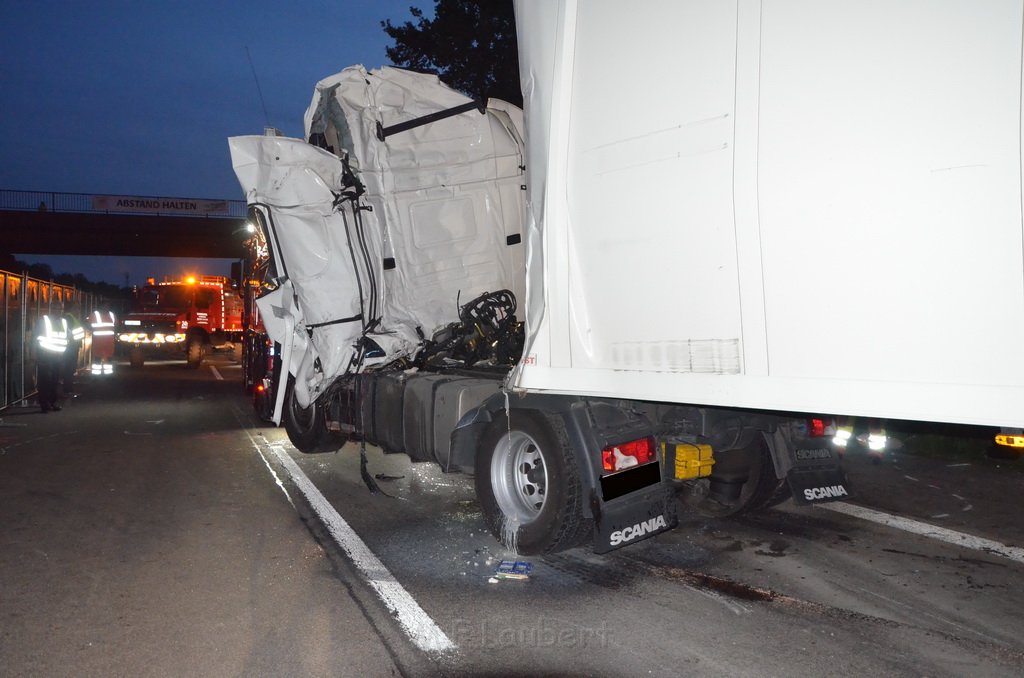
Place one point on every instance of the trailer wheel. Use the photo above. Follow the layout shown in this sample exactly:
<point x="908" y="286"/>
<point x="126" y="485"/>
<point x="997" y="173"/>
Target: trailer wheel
<point x="761" y="489"/>
<point x="307" y="426"/>
<point x="528" y="484"/>
<point x="136" y="356"/>
<point x="194" y="352"/>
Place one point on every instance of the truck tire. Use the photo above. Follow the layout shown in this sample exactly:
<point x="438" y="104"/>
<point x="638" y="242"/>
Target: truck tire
<point x="528" y="484"/>
<point x="307" y="427"/>
<point x="762" y="488"/>
<point x="136" y="356"/>
<point x="194" y="350"/>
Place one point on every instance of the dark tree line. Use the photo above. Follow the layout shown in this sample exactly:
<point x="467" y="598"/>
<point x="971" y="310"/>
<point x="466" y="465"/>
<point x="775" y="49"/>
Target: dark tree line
<point x="469" y="44"/>
<point x="42" y="271"/>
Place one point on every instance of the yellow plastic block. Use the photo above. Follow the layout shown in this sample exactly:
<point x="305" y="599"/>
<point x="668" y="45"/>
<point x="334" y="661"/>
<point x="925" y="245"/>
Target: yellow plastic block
<point x="1009" y="440"/>
<point x="689" y="461"/>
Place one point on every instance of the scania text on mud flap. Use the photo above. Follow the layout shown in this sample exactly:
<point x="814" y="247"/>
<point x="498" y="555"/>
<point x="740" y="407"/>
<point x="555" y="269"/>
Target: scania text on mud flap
<point x="647" y="322"/>
<point x="182" y="318"/>
<point x="628" y="534"/>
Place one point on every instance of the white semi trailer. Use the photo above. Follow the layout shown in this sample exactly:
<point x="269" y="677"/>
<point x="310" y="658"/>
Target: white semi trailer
<point x="720" y="218"/>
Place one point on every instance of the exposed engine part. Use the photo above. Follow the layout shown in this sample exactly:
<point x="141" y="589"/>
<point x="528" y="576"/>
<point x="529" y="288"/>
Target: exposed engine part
<point x="487" y="334"/>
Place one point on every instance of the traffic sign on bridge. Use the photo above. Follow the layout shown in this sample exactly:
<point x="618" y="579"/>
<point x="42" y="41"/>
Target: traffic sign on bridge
<point x="34" y="222"/>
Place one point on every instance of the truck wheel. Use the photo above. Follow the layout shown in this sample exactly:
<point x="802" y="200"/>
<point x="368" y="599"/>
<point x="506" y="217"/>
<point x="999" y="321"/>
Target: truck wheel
<point x="761" y="489"/>
<point x="194" y="353"/>
<point x="528" y="484"/>
<point x="307" y="427"/>
<point x="136" y="356"/>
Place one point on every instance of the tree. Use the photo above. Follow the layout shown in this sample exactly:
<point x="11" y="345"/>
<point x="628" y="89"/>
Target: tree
<point x="40" y="271"/>
<point x="469" y="44"/>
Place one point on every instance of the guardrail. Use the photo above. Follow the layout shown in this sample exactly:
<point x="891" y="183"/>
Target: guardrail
<point x="99" y="203"/>
<point x="24" y="300"/>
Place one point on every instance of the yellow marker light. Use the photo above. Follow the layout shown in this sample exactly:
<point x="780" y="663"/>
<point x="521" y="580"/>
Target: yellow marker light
<point x="191" y="280"/>
<point x="1010" y="440"/>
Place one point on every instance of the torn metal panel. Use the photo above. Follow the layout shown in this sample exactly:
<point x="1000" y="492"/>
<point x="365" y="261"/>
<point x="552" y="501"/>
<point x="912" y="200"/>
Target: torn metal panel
<point x="426" y="219"/>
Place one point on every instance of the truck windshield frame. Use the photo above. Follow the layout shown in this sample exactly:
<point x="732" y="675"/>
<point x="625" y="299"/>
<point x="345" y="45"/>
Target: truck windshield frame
<point x="167" y="297"/>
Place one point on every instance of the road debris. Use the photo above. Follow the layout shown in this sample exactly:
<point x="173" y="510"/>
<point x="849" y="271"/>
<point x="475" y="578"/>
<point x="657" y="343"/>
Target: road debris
<point x="512" y="569"/>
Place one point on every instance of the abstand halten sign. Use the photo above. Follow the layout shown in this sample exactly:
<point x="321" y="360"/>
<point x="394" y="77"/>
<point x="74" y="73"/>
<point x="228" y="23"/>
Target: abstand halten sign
<point x="127" y="203"/>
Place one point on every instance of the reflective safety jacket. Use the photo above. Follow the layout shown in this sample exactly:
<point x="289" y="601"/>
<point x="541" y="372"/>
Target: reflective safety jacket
<point x="77" y="332"/>
<point x="102" y="323"/>
<point x="53" y="334"/>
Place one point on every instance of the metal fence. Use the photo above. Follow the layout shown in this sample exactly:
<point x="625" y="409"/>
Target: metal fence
<point x="25" y="300"/>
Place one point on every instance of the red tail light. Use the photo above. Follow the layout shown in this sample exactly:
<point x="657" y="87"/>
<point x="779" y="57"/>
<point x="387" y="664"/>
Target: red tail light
<point x="627" y="455"/>
<point x="816" y="428"/>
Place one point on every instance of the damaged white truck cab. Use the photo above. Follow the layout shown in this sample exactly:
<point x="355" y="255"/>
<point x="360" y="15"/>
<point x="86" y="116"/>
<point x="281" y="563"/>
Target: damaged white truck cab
<point x="665" y="227"/>
<point x="395" y="234"/>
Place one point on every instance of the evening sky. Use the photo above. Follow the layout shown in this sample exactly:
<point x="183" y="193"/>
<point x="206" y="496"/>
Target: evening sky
<point x="139" y="98"/>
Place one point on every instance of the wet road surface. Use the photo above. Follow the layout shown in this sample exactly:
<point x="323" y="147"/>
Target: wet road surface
<point x="154" y="528"/>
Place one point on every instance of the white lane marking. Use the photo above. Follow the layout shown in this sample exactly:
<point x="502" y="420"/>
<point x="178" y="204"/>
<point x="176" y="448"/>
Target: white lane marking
<point x="277" y="478"/>
<point x="926" y="530"/>
<point x="416" y="623"/>
<point x="216" y="372"/>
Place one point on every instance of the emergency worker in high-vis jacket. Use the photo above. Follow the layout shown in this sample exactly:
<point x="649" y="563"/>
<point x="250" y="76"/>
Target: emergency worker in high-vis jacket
<point x="76" y="334"/>
<point x="52" y="342"/>
<point x="102" y="324"/>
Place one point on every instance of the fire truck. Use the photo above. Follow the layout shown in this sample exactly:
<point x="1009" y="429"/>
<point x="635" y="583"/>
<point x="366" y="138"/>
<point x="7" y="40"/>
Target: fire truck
<point x="190" y="315"/>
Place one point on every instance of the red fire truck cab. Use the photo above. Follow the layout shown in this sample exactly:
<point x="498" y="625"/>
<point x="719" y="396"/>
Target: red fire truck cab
<point x="190" y="315"/>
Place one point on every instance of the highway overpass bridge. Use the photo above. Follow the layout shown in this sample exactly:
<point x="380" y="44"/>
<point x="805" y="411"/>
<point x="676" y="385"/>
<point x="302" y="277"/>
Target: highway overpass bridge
<point x="44" y="223"/>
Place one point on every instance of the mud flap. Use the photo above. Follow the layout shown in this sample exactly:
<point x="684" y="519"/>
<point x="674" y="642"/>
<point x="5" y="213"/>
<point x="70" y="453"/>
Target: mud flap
<point x="812" y="469"/>
<point x="633" y="517"/>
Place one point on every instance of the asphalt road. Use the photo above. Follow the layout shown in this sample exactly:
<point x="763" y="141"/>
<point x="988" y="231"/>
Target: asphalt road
<point x="155" y="527"/>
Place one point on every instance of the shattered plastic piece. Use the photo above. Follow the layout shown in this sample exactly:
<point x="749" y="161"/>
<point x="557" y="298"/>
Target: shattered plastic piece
<point x="513" y="569"/>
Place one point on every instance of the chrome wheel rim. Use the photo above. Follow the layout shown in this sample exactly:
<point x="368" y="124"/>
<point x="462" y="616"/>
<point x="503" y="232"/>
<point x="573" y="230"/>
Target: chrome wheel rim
<point x="519" y="476"/>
